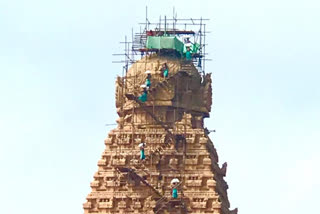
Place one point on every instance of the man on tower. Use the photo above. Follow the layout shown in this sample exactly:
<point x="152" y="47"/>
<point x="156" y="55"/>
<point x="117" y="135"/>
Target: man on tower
<point x="174" y="184"/>
<point x="188" y="53"/>
<point x="148" y="80"/>
<point x="142" y="155"/>
<point x="144" y="96"/>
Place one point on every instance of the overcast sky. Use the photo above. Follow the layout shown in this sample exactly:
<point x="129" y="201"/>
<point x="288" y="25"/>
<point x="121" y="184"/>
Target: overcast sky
<point x="57" y="94"/>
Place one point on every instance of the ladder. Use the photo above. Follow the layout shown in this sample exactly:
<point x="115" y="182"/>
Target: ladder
<point x="132" y="174"/>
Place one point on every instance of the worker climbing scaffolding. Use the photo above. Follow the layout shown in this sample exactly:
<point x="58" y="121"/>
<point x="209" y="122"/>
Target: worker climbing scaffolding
<point x="165" y="70"/>
<point x="144" y="96"/>
<point x="142" y="155"/>
<point x="148" y="79"/>
<point x="174" y="184"/>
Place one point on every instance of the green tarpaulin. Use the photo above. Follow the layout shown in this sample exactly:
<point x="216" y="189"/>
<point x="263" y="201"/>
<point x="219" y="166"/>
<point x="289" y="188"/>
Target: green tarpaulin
<point x="165" y="42"/>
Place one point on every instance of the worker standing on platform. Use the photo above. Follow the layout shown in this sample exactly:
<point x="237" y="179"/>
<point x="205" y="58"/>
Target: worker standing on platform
<point x="144" y="96"/>
<point x="174" y="184"/>
<point x="188" y="54"/>
<point x="148" y="80"/>
<point x="142" y="155"/>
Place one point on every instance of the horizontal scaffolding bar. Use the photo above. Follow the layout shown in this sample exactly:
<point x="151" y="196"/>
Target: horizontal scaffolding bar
<point x="190" y="19"/>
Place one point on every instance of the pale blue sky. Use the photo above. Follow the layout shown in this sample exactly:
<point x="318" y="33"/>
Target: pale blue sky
<point x="57" y="92"/>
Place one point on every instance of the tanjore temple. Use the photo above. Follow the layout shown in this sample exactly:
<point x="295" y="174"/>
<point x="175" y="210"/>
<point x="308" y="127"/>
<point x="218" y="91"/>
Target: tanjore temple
<point x="159" y="158"/>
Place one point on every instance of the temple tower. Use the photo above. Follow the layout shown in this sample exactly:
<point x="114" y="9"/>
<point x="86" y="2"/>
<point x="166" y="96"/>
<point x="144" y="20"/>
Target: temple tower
<point x="169" y="126"/>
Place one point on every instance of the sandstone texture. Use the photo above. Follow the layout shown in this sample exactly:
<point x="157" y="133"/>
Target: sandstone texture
<point x="177" y="146"/>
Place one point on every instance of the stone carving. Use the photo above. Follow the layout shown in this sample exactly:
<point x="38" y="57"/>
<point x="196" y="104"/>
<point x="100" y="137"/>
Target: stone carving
<point x="207" y="92"/>
<point x="106" y="203"/>
<point x="122" y="204"/>
<point x="199" y="203"/>
<point x="170" y="123"/>
<point x="211" y="183"/>
<point x="224" y="169"/>
<point x="234" y="211"/>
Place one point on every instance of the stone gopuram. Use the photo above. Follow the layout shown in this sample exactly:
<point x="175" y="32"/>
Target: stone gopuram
<point x="176" y="145"/>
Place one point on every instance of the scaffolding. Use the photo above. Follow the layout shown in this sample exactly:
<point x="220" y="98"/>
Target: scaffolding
<point x="189" y="30"/>
<point x="170" y="121"/>
<point x="182" y="31"/>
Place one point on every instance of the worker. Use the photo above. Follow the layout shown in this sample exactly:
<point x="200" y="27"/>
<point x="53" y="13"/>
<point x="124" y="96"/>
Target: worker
<point x="150" y="33"/>
<point x="188" y="54"/>
<point x="165" y="70"/>
<point x="142" y="155"/>
<point x="187" y="40"/>
<point x="174" y="193"/>
<point x="148" y="79"/>
<point x="174" y="183"/>
<point x="143" y="97"/>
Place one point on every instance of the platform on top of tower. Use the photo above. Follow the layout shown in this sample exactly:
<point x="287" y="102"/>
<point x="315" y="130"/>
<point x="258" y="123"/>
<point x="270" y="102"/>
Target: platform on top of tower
<point x="183" y="39"/>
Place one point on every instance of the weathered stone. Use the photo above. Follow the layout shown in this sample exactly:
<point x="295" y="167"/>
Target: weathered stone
<point x="170" y="123"/>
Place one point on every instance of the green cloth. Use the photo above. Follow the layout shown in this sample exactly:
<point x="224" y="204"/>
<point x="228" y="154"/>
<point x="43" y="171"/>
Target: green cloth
<point x="174" y="193"/>
<point x="142" y="155"/>
<point x="165" y="73"/>
<point x="148" y="82"/>
<point x="143" y="97"/>
<point x="193" y="47"/>
<point x="188" y="55"/>
<point x="165" y="42"/>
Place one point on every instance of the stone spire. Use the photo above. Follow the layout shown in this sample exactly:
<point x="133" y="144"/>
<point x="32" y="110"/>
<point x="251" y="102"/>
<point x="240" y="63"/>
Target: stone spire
<point x="176" y="146"/>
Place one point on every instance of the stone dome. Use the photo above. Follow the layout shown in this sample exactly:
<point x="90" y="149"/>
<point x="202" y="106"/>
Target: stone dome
<point x="154" y="63"/>
<point x="169" y="98"/>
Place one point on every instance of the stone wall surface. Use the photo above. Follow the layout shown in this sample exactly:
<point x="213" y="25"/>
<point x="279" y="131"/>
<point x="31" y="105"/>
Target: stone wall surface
<point x="170" y="123"/>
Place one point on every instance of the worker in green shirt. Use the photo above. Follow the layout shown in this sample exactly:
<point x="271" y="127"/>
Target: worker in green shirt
<point x="174" y="184"/>
<point x="148" y="80"/>
<point x="188" y="54"/>
<point x="142" y="155"/>
<point x="165" y="70"/>
<point x="143" y="97"/>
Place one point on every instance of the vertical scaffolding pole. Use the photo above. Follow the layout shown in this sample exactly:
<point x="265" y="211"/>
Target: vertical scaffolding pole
<point x="204" y="49"/>
<point x="165" y="25"/>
